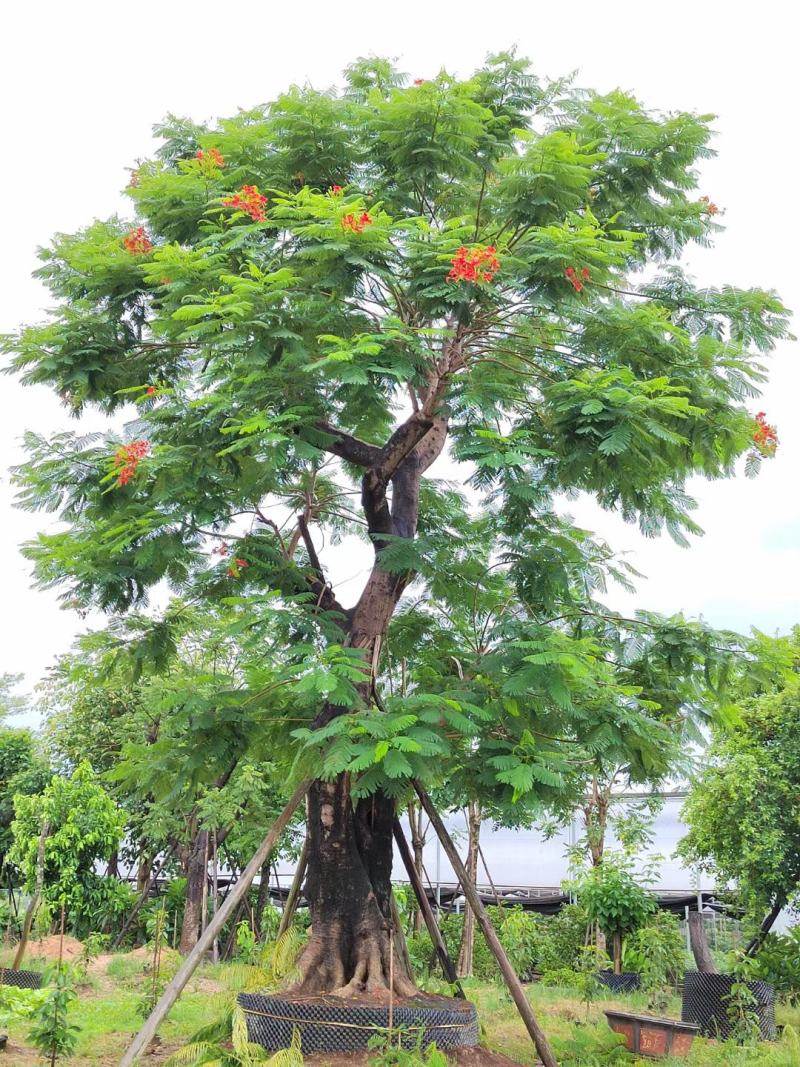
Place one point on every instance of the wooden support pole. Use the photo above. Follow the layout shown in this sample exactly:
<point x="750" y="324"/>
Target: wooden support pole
<point x="427" y="911"/>
<point x="141" y="1041"/>
<point x="290" y="907"/>
<point x="492" y="940"/>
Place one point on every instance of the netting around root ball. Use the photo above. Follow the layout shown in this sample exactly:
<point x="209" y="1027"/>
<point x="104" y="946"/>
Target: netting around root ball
<point x="328" y="1024"/>
<point x="20" y="979"/>
<point x="706" y="1002"/>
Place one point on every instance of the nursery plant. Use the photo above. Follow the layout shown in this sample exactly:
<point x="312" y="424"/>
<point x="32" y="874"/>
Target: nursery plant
<point x="314" y="311"/>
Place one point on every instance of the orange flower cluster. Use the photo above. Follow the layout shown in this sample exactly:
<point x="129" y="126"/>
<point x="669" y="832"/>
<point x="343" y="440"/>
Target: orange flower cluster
<point x="765" y="437"/>
<point x="213" y="157"/>
<point x="335" y="190"/>
<point x="127" y="459"/>
<point x="151" y="390"/>
<point x="573" y="279"/>
<point x="236" y="567"/>
<point x="711" y="208"/>
<point x="137" y="242"/>
<point x="478" y="264"/>
<point x="357" y="224"/>
<point x="249" y="200"/>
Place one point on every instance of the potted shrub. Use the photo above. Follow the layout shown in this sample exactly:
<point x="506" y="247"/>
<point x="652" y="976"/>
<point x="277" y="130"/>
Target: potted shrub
<point x="619" y="905"/>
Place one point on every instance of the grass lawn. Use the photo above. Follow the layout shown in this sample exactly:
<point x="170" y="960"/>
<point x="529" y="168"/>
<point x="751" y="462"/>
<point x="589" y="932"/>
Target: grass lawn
<point x="106" y="1013"/>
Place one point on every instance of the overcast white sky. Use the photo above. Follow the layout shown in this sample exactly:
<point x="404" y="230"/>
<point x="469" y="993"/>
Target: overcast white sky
<point x="82" y="83"/>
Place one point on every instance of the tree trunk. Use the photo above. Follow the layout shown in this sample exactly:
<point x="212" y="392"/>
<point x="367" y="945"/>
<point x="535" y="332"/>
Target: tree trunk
<point x="261" y="901"/>
<point x="616" y="948"/>
<point x="464" y="966"/>
<point x="143" y="871"/>
<point x="196" y="876"/>
<point x="418" y="845"/>
<point x="33" y="903"/>
<point x="766" y="925"/>
<point x="349" y="887"/>
<point x="699" y="942"/>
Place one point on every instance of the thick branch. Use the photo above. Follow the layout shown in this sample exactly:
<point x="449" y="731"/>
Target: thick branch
<point x="347" y="447"/>
<point x="766" y="925"/>
<point x="402" y="442"/>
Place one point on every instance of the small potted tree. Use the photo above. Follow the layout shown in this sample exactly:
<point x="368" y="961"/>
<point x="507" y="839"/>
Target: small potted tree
<point x="618" y="904"/>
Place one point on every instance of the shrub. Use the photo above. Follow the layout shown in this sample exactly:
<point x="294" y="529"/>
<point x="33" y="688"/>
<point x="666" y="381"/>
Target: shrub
<point x="562" y="939"/>
<point x="778" y="962"/>
<point x="656" y="951"/>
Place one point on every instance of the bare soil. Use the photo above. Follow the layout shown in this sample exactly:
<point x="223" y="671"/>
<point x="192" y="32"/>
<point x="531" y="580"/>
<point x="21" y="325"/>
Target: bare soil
<point x="48" y="948"/>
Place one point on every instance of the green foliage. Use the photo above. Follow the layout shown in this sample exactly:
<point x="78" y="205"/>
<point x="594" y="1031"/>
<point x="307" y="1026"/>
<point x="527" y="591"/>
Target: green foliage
<point x="84" y="826"/>
<point x="741" y="1008"/>
<point x="388" y="1050"/>
<point x="613" y="898"/>
<point x="656" y="951"/>
<point x="591" y="1048"/>
<point x="740" y="810"/>
<point x="563" y="938"/>
<point x="16" y="1003"/>
<point x="238" y="1051"/>
<point x="267" y="362"/>
<point x="22" y="770"/>
<point x="52" y="1032"/>
<point x="778" y="962"/>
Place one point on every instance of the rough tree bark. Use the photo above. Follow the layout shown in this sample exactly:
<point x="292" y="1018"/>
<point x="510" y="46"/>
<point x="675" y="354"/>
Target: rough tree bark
<point x="699" y="942"/>
<point x="418" y="846"/>
<point x="196" y="873"/>
<point x="349" y="889"/>
<point x="348" y="884"/>
<point x="465" y="954"/>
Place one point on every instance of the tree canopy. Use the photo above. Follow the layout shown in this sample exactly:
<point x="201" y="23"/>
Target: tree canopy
<point x="311" y="303"/>
<point x="742" y="808"/>
<point x="310" y="288"/>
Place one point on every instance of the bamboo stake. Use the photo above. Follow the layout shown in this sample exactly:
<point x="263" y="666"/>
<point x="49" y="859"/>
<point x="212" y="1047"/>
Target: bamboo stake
<point x="141" y="1041"/>
<point x="290" y="907"/>
<point x="492" y="940"/>
<point x="426" y="909"/>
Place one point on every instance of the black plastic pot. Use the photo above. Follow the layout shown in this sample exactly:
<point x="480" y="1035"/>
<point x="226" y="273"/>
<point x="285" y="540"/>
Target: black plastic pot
<point x="704" y="1003"/>
<point x="627" y="982"/>
<point x="21" y="979"/>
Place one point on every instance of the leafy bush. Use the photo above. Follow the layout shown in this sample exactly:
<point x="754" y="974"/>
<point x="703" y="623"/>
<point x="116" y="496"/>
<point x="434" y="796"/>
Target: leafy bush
<point x="563" y="938"/>
<point x="532" y="943"/>
<point x="778" y="962"/>
<point x="520" y="934"/>
<point x="656" y="951"/>
<point x="614" y="900"/>
<point x="16" y="1003"/>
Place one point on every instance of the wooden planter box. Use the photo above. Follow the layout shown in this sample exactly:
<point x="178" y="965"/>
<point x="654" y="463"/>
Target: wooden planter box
<point x="651" y="1036"/>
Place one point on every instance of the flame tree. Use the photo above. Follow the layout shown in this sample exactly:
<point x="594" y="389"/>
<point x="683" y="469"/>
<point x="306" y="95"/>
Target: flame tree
<point x="316" y="300"/>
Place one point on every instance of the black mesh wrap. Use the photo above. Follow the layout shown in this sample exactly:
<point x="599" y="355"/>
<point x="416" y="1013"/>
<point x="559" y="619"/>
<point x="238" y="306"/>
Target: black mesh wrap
<point x="328" y="1024"/>
<point x="704" y="1003"/>
<point x="626" y="982"/>
<point x="21" y="979"/>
